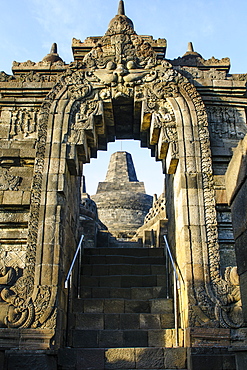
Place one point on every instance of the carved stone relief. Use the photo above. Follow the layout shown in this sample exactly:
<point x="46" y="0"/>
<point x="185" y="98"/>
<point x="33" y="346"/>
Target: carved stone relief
<point x="82" y="120"/>
<point x="215" y="295"/>
<point x="14" y="258"/>
<point x="226" y="122"/>
<point x="23" y="123"/>
<point x="8" y="181"/>
<point x="194" y="73"/>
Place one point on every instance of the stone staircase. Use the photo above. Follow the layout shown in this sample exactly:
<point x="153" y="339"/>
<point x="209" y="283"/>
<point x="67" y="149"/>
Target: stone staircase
<point x="123" y="319"/>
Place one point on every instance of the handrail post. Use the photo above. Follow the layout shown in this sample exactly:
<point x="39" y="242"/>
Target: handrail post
<point x="167" y="276"/>
<point x="68" y="309"/>
<point x="68" y="283"/>
<point x="79" y="275"/>
<point x="176" y="287"/>
<point x="175" y="308"/>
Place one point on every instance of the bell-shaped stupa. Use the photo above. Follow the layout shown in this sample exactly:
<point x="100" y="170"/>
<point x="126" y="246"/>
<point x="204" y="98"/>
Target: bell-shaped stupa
<point x="121" y="199"/>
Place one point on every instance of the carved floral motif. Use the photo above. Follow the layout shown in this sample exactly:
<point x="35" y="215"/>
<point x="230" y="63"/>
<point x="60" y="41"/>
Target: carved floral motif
<point x="4" y="77"/>
<point x="15" y="312"/>
<point x="20" y="311"/>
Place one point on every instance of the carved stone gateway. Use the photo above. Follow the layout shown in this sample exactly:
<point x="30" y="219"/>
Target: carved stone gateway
<point x="55" y="117"/>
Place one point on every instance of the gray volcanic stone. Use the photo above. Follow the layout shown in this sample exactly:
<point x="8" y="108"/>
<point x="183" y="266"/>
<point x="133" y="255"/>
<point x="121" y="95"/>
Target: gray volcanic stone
<point x="121" y="199"/>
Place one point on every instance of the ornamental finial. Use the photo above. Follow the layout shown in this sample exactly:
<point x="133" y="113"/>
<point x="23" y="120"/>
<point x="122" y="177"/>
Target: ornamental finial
<point x="121" y="8"/>
<point x="190" y="47"/>
<point x="53" y="48"/>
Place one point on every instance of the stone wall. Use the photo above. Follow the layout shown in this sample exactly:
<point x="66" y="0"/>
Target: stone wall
<point x="236" y="185"/>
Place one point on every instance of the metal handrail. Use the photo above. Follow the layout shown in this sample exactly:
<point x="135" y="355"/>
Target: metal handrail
<point x="67" y="283"/>
<point x="172" y="262"/>
<point x="176" y="287"/>
<point x="78" y="251"/>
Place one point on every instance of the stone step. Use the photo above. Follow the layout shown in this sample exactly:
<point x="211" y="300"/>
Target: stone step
<point x="138" y="252"/>
<point x="89" y="338"/>
<point x="118" y="306"/>
<point x="122" y="358"/>
<point x="124" y="281"/>
<point x="125" y="293"/>
<point x="124" y="321"/>
<point x="126" y="269"/>
<point x="122" y="259"/>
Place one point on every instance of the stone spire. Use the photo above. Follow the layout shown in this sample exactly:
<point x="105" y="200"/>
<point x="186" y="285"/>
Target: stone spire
<point x="121" y="199"/>
<point x="121" y="10"/>
<point x="120" y="19"/>
<point x="190" y="47"/>
<point x="121" y="168"/>
<point x="53" y="55"/>
<point x="190" y="52"/>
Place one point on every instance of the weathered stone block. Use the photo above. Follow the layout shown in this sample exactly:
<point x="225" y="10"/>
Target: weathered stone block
<point x="90" y="321"/>
<point x="94" y="306"/>
<point x="129" y="321"/>
<point x="100" y="270"/>
<point x="110" y="338"/>
<point x="159" y="292"/>
<point x="158" y="270"/>
<point x="243" y="290"/>
<point x="26" y="198"/>
<point x="175" y="358"/>
<point x="90" y="281"/>
<point x="149" y="358"/>
<point x="110" y="281"/>
<point x="214" y="337"/>
<point x="12" y="197"/>
<point x="67" y="357"/>
<point x="137" y="306"/>
<point x="205" y="362"/>
<point x="161" y="306"/>
<point x="112" y="321"/>
<point x="149" y="281"/>
<point x="167" y="320"/>
<point x="120" y="358"/>
<point x="141" y="270"/>
<point x="241" y="360"/>
<point x="124" y="293"/>
<point x="238" y="207"/>
<point x="241" y="252"/>
<point x="150" y="321"/>
<point x="161" y="280"/>
<point x="128" y="281"/>
<point x="135" y="338"/>
<point x="141" y="293"/>
<point x="114" y="306"/>
<point x="31" y="361"/>
<point x="236" y="172"/>
<point x="2" y="361"/>
<point x="85" y="338"/>
<point x="100" y="292"/>
<point x="88" y="359"/>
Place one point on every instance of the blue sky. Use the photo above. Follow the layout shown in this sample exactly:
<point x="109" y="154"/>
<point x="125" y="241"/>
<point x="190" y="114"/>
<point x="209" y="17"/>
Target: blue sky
<point x="216" y="28"/>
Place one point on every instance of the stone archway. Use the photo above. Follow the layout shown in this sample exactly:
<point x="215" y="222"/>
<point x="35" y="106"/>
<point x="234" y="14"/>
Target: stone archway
<point x="123" y="90"/>
<point x="175" y="123"/>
